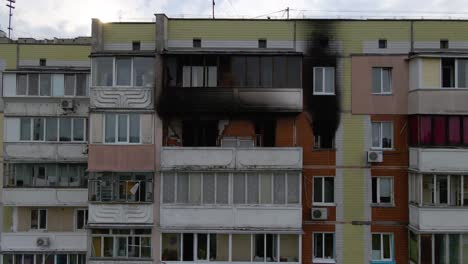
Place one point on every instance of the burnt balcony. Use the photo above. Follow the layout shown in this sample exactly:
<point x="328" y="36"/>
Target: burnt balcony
<point x="232" y="84"/>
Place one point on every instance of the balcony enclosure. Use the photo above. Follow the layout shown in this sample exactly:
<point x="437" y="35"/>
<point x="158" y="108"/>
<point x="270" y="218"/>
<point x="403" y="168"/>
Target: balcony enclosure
<point x="121" y="187"/>
<point x="227" y="83"/>
<point x="439" y="190"/>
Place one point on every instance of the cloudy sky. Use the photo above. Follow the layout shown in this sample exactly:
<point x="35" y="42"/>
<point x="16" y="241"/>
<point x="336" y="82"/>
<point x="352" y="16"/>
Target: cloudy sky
<point x="69" y="18"/>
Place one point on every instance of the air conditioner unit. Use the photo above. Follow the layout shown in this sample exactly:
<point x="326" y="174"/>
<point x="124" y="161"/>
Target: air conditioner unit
<point x="319" y="213"/>
<point x="67" y="104"/>
<point x="42" y="242"/>
<point x="374" y="156"/>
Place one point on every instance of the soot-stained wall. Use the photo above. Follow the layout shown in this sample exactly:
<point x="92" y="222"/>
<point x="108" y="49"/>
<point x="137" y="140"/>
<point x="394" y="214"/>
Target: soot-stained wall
<point x="324" y="109"/>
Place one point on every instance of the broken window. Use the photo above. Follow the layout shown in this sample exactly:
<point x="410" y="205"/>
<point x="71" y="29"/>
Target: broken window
<point x="448" y="72"/>
<point x="265" y="131"/>
<point x="200" y="133"/>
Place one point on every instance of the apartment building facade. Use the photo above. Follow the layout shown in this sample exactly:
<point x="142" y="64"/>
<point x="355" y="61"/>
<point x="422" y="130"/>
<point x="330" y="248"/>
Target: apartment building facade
<point x="237" y="140"/>
<point x="45" y="108"/>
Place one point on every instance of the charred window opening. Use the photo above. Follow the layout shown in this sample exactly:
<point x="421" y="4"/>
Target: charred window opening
<point x="262" y="43"/>
<point x="197" y="43"/>
<point x="278" y="71"/>
<point x="136" y="45"/>
<point x="324" y="141"/>
<point x="448" y="72"/>
<point x="382" y="43"/>
<point x="42" y="62"/>
<point x="265" y="131"/>
<point x="201" y="133"/>
<point x="324" y="42"/>
<point x="444" y="44"/>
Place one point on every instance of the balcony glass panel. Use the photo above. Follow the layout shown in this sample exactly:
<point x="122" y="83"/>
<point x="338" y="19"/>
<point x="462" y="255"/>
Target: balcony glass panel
<point x="121" y="187"/>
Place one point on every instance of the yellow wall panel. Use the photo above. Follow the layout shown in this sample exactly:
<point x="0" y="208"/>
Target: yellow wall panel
<point x="431" y="73"/>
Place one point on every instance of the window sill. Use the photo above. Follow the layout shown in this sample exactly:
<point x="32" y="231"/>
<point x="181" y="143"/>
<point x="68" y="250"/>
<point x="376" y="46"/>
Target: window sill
<point x="382" y="94"/>
<point x="323" y="149"/>
<point x="329" y="94"/>
<point x="383" y="149"/>
<point x="324" y="261"/>
<point x="377" y="205"/>
<point x="324" y="204"/>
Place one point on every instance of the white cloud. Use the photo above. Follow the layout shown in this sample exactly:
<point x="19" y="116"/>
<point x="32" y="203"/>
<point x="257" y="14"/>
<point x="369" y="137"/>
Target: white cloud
<point x="69" y="18"/>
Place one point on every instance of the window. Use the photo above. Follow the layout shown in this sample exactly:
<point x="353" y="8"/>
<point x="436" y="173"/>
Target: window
<point x="324" y="190"/>
<point x="48" y="84"/>
<point x="81" y="219"/>
<point x="38" y="219"/>
<point x="103" y="73"/>
<point x="324" y="141"/>
<point x="248" y="188"/>
<point x="121" y="243"/>
<point x="136" y="45"/>
<point x="324" y="80"/>
<point x="21" y="84"/>
<point x="197" y="43"/>
<point x="448" y="72"/>
<point x="454" y="73"/>
<point x="382" y="246"/>
<point x="217" y="247"/>
<point x="48" y="258"/>
<point x="46" y="174"/>
<point x="381" y="80"/>
<point x="123" y="187"/>
<point x="122" y="128"/>
<point x="200" y="76"/>
<point x="382" y="43"/>
<point x="47" y="129"/>
<point x="123" y="72"/>
<point x="324" y="246"/>
<point x="45" y="84"/>
<point x="42" y="62"/>
<point x="382" y="135"/>
<point x="444" y="44"/>
<point x="382" y="190"/>
<point x="143" y="73"/>
<point x="262" y="43"/>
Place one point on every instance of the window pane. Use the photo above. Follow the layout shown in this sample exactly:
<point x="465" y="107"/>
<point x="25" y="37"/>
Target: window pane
<point x="122" y="128"/>
<point x="168" y="187"/>
<point x="51" y="129"/>
<point x="329" y="246"/>
<point x="387" y="135"/>
<point x="102" y="71"/>
<point x="318" y="189"/>
<point x="25" y="129"/>
<point x="238" y="71"/>
<point x="80" y="221"/>
<point x="241" y="248"/>
<point x="265" y="188"/>
<point x="38" y="129"/>
<point x="46" y="84"/>
<point x="426" y="130"/>
<point x="293" y="188"/>
<point x="143" y="72"/>
<point x="81" y="84"/>
<point x="318" y="80"/>
<point x="454" y="130"/>
<point x="462" y="73"/>
<point x="202" y="246"/>
<point x="376" y="135"/>
<point x="414" y="130"/>
<point x="387" y="80"/>
<point x="110" y="127"/>
<point x="253" y="74"/>
<point x="454" y="248"/>
<point x="239" y="188"/>
<point x="318" y="245"/>
<point x="271" y="248"/>
<point x="374" y="190"/>
<point x="329" y="189"/>
<point x="42" y="219"/>
<point x="441" y="189"/>
<point x="195" y="188"/>
<point x="376" y="80"/>
<point x="208" y="188"/>
<point x="439" y="130"/>
<point x="21" y="84"/>
<point x="197" y="76"/>
<point x="279" y="72"/>
<point x="34" y="219"/>
<point x="289" y="248"/>
<point x="252" y="188"/>
<point x="386" y="246"/>
<point x="96" y="247"/>
<point x="266" y="71"/>
<point x="465" y="130"/>
<point x="259" y="248"/>
<point x="145" y="247"/>
<point x="182" y="187"/>
<point x="78" y="129"/>
<point x="376" y="247"/>
<point x="33" y="84"/>
<point x="212" y="77"/>
<point x="61" y="259"/>
<point x="385" y="190"/>
<point x="221" y="252"/>
<point x="294" y="72"/>
<point x="121" y="246"/>
<point x="330" y="80"/>
<point x="279" y="193"/>
<point x="134" y="128"/>
<point x="65" y="129"/>
<point x="69" y="84"/>
<point x="187" y="254"/>
<point x="170" y="247"/>
<point x="222" y="188"/>
<point x="186" y="76"/>
<point x="108" y="247"/>
<point x="123" y="71"/>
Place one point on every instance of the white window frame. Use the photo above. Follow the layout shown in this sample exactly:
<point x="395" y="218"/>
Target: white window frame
<point x="381" y="69"/>
<point x="323" y="92"/>
<point x="323" y="260"/>
<point x="39" y="219"/>
<point x="323" y="203"/>
<point x="392" y="199"/>
<point x="114" y="73"/>
<point x="456" y="86"/>
<point x="85" y="220"/>
<point x="52" y="85"/>
<point x="31" y="136"/>
<point x="381" y="235"/>
<point x="115" y="248"/>
<point x="35" y="255"/>
<point x="381" y="135"/>
<point x="116" y="130"/>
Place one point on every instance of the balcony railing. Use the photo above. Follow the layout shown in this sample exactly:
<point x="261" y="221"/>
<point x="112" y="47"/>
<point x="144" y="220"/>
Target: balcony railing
<point x="124" y="191"/>
<point x="58" y="241"/>
<point x="439" y="159"/>
<point x="45" y="197"/>
<point x="439" y="219"/>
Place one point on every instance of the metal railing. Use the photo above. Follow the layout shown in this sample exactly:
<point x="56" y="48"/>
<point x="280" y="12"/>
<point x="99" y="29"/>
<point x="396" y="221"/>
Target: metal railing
<point x="126" y="191"/>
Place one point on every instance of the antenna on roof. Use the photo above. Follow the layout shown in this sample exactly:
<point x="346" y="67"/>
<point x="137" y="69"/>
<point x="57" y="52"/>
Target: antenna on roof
<point x="213" y="6"/>
<point x="10" y="5"/>
<point x="287" y="12"/>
